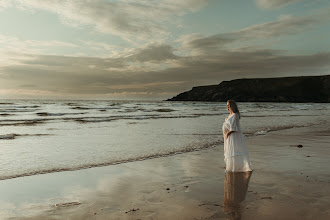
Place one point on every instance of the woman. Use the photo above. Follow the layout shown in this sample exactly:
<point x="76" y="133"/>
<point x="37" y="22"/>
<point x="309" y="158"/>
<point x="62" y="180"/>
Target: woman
<point x="235" y="150"/>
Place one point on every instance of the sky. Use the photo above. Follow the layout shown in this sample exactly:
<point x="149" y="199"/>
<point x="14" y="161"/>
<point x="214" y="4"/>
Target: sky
<point x="155" y="49"/>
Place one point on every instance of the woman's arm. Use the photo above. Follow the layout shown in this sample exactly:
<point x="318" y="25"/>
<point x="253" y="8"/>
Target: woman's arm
<point x="227" y="135"/>
<point x="232" y="125"/>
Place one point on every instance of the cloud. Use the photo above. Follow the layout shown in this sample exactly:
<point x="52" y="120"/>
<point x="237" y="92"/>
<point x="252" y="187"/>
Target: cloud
<point x="5" y="4"/>
<point x="153" y="52"/>
<point x="286" y="25"/>
<point x="48" y="71"/>
<point x="71" y="76"/>
<point x="131" y="20"/>
<point x="73" y="62"/>
<point x="274" y="4"/>
<point x="197" y="44"/>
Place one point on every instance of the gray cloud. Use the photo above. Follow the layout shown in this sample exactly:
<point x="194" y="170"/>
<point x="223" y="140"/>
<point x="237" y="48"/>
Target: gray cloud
<point x="89" y="74"/>
<point x="229" y="65"/>
<point x="208" y="44"/>
<point x="189" y="71"/>
<point x="153" y="53"/>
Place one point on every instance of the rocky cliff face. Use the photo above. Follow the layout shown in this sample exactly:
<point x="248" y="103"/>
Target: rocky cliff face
<point x="286" y="89"/>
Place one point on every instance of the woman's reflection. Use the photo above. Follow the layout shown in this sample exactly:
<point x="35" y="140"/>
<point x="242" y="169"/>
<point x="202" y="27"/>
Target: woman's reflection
<point x="236" y="186"/>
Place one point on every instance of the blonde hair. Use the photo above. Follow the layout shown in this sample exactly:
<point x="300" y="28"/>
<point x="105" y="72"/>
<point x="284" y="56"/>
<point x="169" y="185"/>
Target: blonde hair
<point x="233" y="107"/>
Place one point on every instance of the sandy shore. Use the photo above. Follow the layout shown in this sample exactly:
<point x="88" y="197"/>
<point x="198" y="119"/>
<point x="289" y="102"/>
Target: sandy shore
<point x="287" y="183"/>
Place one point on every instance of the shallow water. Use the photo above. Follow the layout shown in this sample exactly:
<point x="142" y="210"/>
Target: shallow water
<point x="38" y="136"/>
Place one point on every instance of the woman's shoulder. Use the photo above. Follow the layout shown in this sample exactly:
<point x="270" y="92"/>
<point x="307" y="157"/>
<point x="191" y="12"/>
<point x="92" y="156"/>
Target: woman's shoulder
<point x="234" y="116"/>
<point x="230" y="116"/>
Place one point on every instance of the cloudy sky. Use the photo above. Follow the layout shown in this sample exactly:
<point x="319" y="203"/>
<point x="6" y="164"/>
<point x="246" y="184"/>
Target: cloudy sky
<point x="155" y="49"/>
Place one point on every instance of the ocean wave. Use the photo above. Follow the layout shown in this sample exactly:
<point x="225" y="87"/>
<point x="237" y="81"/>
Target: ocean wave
<point x="163" y="110"/>
<point x="262" y="132"/>
<point x="13" y="136"/>
<point x="72" y="104"/>
<point x="7" y="136"/>
<point x="189" y="148"/>
<point x="83" y="121"/>
<point x="6" y="114"/>
<point x="28" y="106"/>
<point x="80" y="108"/>
<point x="22" y="123"/>
<point x="18" y="110"/>
<point x="262" y="116"/>
<point x="128" y="117"/>
<point x="284" y="127"/>
<point x="266" y="130"/>
<point x="108" y="118"/>
<point x="49" y="114"/>
<point x="89" y="108"/>
<point x="58" y="114"/>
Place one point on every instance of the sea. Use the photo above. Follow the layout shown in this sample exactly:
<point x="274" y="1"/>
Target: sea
<point x="45" y="136"/>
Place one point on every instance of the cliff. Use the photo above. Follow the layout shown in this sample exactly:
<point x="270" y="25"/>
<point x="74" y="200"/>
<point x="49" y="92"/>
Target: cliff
<point x="285" y="89"/>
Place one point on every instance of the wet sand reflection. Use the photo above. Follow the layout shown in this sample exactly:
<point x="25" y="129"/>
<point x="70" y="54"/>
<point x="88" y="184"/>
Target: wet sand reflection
<point x="236" y="186"/>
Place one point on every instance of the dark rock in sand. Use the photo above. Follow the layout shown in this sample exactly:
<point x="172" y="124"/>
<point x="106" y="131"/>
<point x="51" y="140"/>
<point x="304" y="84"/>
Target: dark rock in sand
<point x="284" y="89"/>
<point x="132" y="210"/>
<point x="299" y="146"/>
<point x="67" y="204"/>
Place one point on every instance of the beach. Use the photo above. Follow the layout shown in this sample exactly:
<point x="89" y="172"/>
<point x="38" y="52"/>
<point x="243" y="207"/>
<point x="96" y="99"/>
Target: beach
<point x="288" y="182"/>
<point x="138" y="110"/>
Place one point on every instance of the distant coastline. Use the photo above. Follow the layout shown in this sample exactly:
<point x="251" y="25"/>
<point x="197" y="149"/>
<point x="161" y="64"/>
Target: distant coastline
<point x="283" y="89"/>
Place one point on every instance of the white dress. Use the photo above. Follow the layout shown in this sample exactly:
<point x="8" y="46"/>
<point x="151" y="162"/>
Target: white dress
<point x="235" y="149"/>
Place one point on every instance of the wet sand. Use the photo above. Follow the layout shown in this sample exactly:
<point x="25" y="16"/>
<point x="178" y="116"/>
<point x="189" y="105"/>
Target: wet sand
<point x="288" y="182"/>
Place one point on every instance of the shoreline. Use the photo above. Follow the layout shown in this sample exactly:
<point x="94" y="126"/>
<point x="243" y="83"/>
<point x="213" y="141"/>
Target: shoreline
<point x="285" y="184"/>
